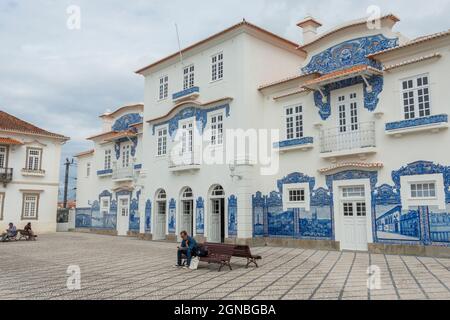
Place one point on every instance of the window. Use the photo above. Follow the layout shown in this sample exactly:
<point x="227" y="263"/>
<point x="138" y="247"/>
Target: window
<point x="294" y="122"/>
<point x="126" y="156"/>
<point x="104" y="205"/>
<point x="416" y="97"/>
<point x="163" y="87"/>
<point x="187" y="138"/>
<point x="34" y="159"/>
<point x="108" y="159"/>
<point x="349" y="192"/>
<point x="162" y="142"/>
<point x="217" y="129"/>
<point x="162" y="195"/>
<point x="423" y="190"/>
<point x="188" y="77"/>
<point x="3" y="156"/>
<point x="88" y="169"/>
<point x="30" y="206"/>
<point x="187" y="193"/>
<point x="2" y="204"/>
<point x="162" y="207"/>
<point x="217" y="67"/>
<point x="218" y="192"/>
<point x="297" y="195"/>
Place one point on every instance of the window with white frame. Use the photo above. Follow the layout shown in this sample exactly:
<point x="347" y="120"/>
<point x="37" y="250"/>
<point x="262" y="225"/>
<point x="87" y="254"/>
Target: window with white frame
<point x="126" y="151"/>
<point x="88" y="169"/>
<point x="188" y="77"/>
<point x="217" y="67"/>
<point x="416" y="97"/>
<point x="108" y="157"/>
<point x="3" y="156"/>
<point x="104" y="207"/>
<point x="217" y="129"/>
<point x="163" y="87"/>
<point x="30" y="206"/>
<point x="162" y="142"/>
<point x="296" y="195"/>
<point x="2" y="204"/>
<point x="423" y="190"/>
<point x="352" y="192"/>
<point x="34" y="156"/>
<point x="294" y="122"/>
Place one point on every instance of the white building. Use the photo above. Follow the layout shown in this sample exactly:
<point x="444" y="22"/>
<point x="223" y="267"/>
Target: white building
<point x="29" y="174"/>
<point x="361" y="124"/>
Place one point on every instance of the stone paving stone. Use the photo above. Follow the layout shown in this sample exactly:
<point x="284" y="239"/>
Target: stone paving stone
<point x="125" y="268"/>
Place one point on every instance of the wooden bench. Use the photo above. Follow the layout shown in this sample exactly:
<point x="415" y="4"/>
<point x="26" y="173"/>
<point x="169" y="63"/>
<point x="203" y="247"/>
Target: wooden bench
<point x="218" y="253"/>
<point x="240" y="251"/>
<point x="244" y="252"/>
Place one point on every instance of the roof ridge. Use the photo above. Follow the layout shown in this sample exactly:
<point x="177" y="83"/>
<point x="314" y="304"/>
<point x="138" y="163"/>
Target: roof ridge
<point x="9" y="122"/>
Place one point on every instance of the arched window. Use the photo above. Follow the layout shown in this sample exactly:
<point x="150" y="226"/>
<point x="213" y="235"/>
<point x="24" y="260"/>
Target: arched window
<point x="161" y="195"/>
<point x="187" y="193"/>
<point x="217" y="191"/>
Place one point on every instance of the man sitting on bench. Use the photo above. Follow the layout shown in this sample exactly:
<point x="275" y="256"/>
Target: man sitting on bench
<point x="11" y="232"/>
<point x="188" y="248"/>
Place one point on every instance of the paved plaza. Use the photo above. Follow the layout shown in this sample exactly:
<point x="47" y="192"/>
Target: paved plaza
<point x="127" y="268"/>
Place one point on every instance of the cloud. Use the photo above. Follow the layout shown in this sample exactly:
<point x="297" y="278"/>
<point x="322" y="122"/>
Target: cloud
<point x="62" y="79"/>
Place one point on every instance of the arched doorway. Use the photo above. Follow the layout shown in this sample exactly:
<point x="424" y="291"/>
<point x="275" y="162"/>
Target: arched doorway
<point x="187" y="210"/>
<point x="160" y="215"/>
<point x="216" y="214"/>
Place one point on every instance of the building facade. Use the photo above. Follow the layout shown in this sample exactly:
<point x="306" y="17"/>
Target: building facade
<point x="29" y="174"/>
<point x="352" y="124"/>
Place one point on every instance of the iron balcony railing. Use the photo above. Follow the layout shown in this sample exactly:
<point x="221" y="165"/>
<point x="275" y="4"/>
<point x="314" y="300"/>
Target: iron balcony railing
<point x="350" y="137"/>
<point x="126" y="173"/>
<point x="180" y="159"/>
<point x="6" y="175"/>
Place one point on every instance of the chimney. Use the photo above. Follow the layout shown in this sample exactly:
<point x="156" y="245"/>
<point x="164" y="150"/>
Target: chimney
<point x="309" y="26"/>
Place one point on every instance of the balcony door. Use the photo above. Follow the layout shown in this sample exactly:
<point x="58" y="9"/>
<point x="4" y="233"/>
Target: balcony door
<point x="187" y="142"/>
<point x="348" y="121"/>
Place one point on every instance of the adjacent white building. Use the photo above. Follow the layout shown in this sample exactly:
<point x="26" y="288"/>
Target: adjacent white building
<point x="353" y="121"/>
<point x="29" y="174"/>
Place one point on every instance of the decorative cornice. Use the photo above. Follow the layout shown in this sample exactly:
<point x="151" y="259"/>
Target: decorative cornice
<point x="351" y="165"/>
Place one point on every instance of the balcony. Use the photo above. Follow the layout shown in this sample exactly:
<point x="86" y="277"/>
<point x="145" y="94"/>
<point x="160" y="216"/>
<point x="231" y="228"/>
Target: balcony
<point x="123" y="174"/>
<point x="6" y="175"/>
<point x="190" y="93"/>
<point x="33" y="172"/>
<point x="334" y="143"/>
<point x="184" y="161"/>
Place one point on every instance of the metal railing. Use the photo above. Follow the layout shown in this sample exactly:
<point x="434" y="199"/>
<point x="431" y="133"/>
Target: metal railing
<point x="179" y="159"/>
<point x="6" y="175"/>
<point x="355" y="136"/>
<point x="126" y="173"/>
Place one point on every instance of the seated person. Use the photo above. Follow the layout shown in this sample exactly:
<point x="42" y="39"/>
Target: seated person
<point x="188" y="248"/>
<point x="10" y="232"/>
<point x="30" y="233"/>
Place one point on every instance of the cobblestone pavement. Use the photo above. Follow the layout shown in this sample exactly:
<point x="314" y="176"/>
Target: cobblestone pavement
<point x="127" y="268"/>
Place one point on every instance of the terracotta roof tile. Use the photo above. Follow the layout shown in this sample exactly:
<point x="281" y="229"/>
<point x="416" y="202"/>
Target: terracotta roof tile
<point x="84" y="153"/>
<point x="341" y="73"/>
<point x="9" y="141"/>
<point x="10" y="123"/>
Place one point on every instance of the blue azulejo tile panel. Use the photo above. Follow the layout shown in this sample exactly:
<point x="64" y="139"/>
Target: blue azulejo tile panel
<point x="134" y="219"/>
<point x="200" y="216"/>
<point x="83" y="217"/>
<point x="293" y="142"/>
<point x="349" y="53"/>
<point x="232" y="216"/>
<point x="103" y="172"/>
<point x="148" y="216"/>
<point x="281" y="224"/>
<point x="393" y="223"/>
<point x="172" y="216"/>
<point x="439" y="223"/>
<point x="316" y="223"/>
<point x="411" y="123"/>
<point x="185" y="92"/>
<point x="124" y="122"/>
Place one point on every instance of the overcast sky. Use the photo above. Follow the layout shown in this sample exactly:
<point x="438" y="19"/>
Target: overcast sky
<point x="62" y="79"/>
